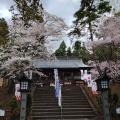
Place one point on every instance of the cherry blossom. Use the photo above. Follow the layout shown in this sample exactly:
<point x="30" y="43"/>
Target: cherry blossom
<point x="109" y="35"/>
<point x="27" y="43"/>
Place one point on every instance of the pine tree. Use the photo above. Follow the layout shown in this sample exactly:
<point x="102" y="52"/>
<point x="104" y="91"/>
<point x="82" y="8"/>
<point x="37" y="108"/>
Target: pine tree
<point x="69" y="52"/>
<point x="76" y="48"/>
<point x="61" y="51"/>
<point x="80" y="50"/>
<point x="29" y="9"/>
<point x="89" y="12"/>
<point x="3" y="31"/>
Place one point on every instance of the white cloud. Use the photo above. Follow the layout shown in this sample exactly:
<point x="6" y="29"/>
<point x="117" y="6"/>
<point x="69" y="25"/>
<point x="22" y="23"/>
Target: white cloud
<point x="5" y="13"/>
<point x="62" y="8"/>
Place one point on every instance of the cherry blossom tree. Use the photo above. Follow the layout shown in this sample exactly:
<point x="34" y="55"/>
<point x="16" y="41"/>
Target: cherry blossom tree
<point x="29" y="42"/>
<point x="109" y="36"/>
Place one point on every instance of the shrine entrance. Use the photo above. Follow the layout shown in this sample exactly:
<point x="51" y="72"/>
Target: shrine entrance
<point x="66" y="77"/>
<point x="68" y="70"/>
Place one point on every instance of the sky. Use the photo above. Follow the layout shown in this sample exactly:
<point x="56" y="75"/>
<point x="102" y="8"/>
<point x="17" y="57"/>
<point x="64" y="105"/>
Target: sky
<point x="62" y="8"/>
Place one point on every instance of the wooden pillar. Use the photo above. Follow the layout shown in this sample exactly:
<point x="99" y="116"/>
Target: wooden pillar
<point x="60" y="78"/>
<point x="73" y="82"/>
<point x="49" y="78"/>
<point x="63" y="78"/>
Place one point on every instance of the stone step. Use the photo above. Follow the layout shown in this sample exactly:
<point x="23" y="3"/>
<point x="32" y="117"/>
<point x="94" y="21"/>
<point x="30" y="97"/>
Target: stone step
<point x="64" y="95"/>
<point x="63" y="117"/>
<point x="56" y="106"/>
<point x="44" y="99"/>
<point x="63" y="109"/>
<point x="72" y="98"/>
<point x="49" y="117"/>
<point x="36" y="106"/>
<point x="47" y="110"/>
<point x="44" y="93"/>
<point x="44" y="107"/>
<point x="63" y="104"/>
<point x="73" y="94"/>
<point x="44" y="102"/>
<point x="81" y="102"/>
<point x="74" y="104"/>
<point x="64" y="113"/>
<point x="34" y="103"/>
<point x="77" y="113"/>
<point x="76" y="109"/>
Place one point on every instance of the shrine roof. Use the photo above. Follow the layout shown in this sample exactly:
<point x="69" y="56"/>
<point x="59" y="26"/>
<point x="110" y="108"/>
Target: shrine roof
<point x="61" y="62"/>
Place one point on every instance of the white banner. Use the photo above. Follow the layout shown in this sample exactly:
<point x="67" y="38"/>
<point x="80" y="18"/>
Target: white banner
<point x="89" y="81"/>
<point x="82" y="74"/>
<point x="56" y="76"/>
<point x="57" y="88"/>
<point x="85" y="75"/>
<point x="59" y="97"/>
<point x="17" y="93"/>
<point x="94" y="88"/>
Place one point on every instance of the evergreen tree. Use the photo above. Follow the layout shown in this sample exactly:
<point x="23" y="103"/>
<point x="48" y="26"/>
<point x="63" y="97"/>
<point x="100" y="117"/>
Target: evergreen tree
<point x="61" y="51"/>
<point x="28" y="11"/>
<point x="85" y="54"/>
<point x="69" y="52"/>
<point x="89" y="11"/>
<point x="76" y="48"/>
<point x="80" y="50"/>
<point x="3" y="31"/>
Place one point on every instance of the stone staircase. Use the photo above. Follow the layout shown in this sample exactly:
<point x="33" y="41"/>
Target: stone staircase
<point x="74" y="104"/>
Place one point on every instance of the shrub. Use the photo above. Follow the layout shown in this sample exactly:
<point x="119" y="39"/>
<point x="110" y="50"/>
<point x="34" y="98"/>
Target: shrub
<point x="29" y="100"/>
<point x="13" y="103"/>
<point x="110" y="97"/>
<point x="1" y="105"/>
<point x="115" y="98"/>
<point x="99" y="101"/>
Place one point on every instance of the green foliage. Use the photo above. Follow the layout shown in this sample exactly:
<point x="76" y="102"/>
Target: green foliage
<point x="117" y="14"/>
<point x="69" y="52"/>
<point x="61" y="51"/>
<point x="81" y="51"/>
<point x="115" y="98"/>
<point x="29" y="100"/>
<point x="99" y="101"/>
<point x="88" y="12"/>
<point x="3" y="31"/>
<point x="1" y="105"/>
<point x="76" y="31"/>
<point x="102" y="53"/>
<point x="13" y="103"/>
<point x="29" y="11"/>
<point x="107" y="52"/>
<point x="104" y="7"/>
<point x="110" y="97"/>
<point x="76" y="48"/>
<point x="85" y="18"/>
